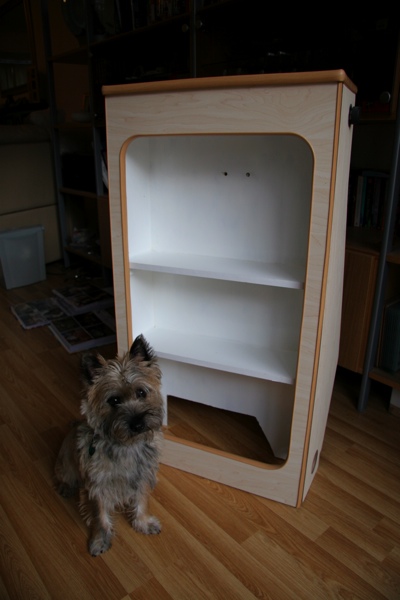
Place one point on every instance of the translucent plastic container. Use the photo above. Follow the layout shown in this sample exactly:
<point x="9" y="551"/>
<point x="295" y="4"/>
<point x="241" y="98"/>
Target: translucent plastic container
<point x="22" y="256"/>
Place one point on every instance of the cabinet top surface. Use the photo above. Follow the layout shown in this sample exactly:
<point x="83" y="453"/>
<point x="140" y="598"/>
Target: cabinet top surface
<point x="232" y="81"/>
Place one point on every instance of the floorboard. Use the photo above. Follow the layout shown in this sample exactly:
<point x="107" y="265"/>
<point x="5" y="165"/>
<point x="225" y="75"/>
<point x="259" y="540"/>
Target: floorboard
<point x="217" y="542"/>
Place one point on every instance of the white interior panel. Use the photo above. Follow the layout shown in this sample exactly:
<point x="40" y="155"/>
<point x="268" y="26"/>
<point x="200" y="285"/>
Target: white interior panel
<point x="211" y="322"/>
<point x="243" y="197"/>
<point x="270" y="403"/>
<point x="218" y="229"/>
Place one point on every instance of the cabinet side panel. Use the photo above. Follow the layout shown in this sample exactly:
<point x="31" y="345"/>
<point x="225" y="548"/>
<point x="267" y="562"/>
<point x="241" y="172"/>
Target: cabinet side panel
<point x="332" y="295"/>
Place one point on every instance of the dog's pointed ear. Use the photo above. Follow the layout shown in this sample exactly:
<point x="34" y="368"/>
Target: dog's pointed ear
<point x="141" y="351"/>
<point x="89" y="365"/>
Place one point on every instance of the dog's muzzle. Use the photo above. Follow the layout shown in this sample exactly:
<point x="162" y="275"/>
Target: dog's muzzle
<point x="137" y="424"/>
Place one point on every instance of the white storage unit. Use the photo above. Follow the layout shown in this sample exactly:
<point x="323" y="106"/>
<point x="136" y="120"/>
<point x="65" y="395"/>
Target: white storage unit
<point x="228" y="210"/>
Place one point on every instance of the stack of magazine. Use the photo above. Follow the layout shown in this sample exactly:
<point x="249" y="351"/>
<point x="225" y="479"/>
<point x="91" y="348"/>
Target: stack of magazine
<point x="81" y="317"/>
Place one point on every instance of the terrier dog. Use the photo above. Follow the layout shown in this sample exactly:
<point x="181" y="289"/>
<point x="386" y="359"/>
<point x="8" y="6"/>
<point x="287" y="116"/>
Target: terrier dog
<point x="112" y="456"/>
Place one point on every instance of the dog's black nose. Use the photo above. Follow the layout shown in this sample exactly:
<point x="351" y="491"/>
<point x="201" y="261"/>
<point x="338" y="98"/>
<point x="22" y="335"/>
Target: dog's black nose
<point x="137" y="424"/>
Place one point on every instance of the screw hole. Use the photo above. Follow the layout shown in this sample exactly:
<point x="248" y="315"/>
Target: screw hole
<point x="247" y="174"/>
<point x="225" y="173"/>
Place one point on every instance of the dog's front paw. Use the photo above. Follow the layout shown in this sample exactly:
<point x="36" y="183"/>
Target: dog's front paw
<point x="99" y="542"/>
<point x="147" y="525"/>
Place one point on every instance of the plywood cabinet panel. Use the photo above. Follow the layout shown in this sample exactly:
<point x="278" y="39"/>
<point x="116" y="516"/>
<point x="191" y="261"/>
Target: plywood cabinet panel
<point x="358" y="295"/>
<point x="228" y="208"/>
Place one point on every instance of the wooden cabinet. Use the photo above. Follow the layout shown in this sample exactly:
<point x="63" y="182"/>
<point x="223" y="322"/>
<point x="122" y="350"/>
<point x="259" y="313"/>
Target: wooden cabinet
<point x="359" y="289"/>
<point x="228" y="210"/>
<point x="376" y="244"/>
<point x="360" y="272"/>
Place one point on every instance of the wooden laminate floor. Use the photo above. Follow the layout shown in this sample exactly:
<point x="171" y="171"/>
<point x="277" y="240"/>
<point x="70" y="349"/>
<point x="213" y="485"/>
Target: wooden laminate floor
<point x="216" y="542"/>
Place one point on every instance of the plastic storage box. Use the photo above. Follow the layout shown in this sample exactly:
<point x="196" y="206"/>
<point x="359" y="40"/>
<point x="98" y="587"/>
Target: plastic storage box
<point x="22" y="256"/>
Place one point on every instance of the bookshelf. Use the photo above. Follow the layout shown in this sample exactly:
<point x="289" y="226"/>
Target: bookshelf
<point x="371" y="272"/>
<point x="229" y="267"/>
<point x="86" y="46"/>
<point x="202" y="38"/>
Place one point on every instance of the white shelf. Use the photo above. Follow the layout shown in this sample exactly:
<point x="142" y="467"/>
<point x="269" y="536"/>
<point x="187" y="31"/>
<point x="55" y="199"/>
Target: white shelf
<point x="224" y="355"/>
<point x="244" y="271"/>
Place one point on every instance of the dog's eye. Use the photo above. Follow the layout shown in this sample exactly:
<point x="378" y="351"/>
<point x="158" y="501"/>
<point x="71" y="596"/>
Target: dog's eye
<point x="141" y="393"/>
<point x="114" y="400"/>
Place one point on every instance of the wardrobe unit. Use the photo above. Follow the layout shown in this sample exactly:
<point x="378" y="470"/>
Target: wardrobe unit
<point x="228" y="204"/>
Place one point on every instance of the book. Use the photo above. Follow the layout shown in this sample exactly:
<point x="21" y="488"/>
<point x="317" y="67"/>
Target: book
<point x="79" y="299"/>
<point x="37" y="313"/>
<point x="359" y="201"/>
<point x="366" y="199"/>
<point x="85" y="331"/>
